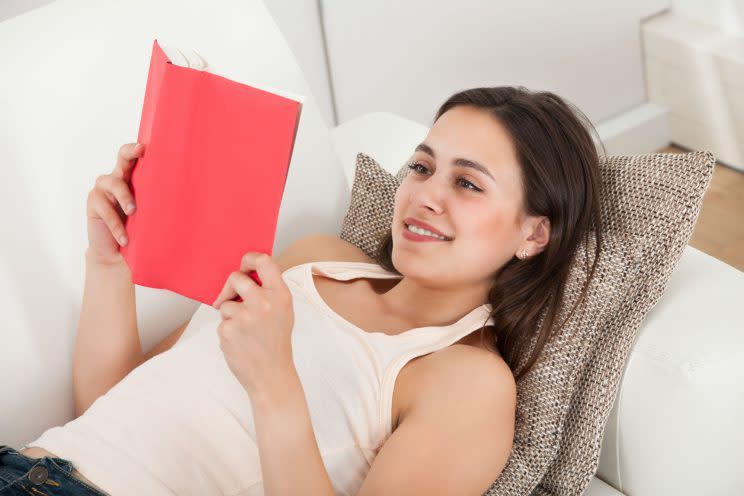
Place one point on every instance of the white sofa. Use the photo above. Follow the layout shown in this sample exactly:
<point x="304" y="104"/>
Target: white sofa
<point x="73" y="94"/>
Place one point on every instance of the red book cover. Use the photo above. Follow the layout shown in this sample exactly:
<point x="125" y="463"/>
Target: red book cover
<point x="209" y="184"/>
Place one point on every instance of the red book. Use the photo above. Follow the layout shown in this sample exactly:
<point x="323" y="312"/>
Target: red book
<point x="210" y="182"/>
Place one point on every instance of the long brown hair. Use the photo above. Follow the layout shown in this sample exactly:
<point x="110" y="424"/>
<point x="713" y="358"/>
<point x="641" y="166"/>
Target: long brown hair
<point x="559" y="166"/>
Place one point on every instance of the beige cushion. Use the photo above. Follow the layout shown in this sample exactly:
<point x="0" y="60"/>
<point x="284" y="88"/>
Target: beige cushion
<point x="649" y="205"/>
<point x="370" y="210"/>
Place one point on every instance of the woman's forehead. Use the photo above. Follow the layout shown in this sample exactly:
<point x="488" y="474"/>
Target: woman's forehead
<point x="475" y="135"/>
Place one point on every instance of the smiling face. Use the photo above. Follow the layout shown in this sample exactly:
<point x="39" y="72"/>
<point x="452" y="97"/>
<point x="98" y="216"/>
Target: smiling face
<point x="466" y="183"/>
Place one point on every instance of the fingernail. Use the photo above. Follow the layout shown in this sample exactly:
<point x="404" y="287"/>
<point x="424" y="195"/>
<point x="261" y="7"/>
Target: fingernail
<point x="123" y="240"/>
<point x="130" y="208"/>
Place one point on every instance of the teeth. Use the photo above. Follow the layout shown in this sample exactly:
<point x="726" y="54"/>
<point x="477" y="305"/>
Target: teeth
<point x="424" y="232"/>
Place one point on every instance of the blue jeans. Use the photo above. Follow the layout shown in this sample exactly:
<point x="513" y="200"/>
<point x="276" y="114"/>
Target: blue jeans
<point x="23" y="475"/>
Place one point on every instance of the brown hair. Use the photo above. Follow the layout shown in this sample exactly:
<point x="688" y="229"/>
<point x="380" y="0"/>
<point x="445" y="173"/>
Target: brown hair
<point x="560" y="178"/>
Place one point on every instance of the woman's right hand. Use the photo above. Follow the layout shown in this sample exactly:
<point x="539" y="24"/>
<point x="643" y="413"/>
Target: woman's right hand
<point x="109" y="202"/>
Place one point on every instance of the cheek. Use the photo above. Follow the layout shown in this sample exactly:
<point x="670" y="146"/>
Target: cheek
<point x="489" y="245"/>
<point x="497" y="224"/>
<point x="487" y="233"/>
<point x="402" y="195"/>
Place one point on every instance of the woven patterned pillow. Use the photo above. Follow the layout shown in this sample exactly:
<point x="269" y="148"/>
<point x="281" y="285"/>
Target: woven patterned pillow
<point x="649" y="206"/>
<point x="371" y="206"/>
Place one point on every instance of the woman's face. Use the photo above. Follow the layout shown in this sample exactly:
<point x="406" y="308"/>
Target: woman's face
<point x="480" y="210"/>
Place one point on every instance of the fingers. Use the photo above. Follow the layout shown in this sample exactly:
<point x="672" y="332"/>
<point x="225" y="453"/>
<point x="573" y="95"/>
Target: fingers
<point x="267" y="272"/>
<point x="126" y="158"/>
<point x="267" y="269"/>
<point x="249" y="261"/>
<point x="103" y="208"/>
<point x="237" y="284"/>
<point x="118" y="189"/>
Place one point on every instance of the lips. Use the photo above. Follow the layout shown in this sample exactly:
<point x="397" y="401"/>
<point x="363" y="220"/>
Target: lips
<point x="414" y="222"/>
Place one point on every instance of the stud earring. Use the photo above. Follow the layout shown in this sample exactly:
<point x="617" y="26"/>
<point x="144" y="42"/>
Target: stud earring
<point x="523" y="254"/>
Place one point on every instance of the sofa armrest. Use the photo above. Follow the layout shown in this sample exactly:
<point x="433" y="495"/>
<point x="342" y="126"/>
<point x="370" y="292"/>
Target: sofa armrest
<point x="388" y="138"/>
<point x="675" y="427"/>
<point x="598" y="487"/>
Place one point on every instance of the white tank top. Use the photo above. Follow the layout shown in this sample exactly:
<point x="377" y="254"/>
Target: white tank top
<point x="182" y="424"/>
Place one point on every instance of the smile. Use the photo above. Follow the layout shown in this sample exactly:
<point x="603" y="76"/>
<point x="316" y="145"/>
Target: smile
<point x="419" y="234"/>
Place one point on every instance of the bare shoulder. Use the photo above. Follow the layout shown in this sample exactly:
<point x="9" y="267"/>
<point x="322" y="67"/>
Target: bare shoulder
<point x="319" y="247"/>
<point x="464" y="370"/>
<point x="465" y="405"/>
<point x="473" y="391"/>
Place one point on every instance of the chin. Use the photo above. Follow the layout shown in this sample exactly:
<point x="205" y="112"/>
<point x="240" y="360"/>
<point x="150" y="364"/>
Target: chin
<point x="409" y="263"/>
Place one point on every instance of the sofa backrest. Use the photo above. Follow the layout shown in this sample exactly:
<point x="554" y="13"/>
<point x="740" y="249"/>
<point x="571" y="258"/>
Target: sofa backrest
<point x="72" y="87"/>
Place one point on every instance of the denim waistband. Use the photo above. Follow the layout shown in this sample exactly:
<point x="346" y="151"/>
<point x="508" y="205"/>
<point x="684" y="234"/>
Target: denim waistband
<point x="47" y="476"/>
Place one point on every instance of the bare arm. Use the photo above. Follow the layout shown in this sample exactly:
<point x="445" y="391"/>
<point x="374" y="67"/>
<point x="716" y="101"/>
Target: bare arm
<point x="456" y="435"/>
<point x="107" y="344"/>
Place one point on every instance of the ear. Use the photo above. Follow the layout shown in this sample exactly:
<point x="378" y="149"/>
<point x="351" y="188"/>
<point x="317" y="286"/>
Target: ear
<point x="539" y="235"/>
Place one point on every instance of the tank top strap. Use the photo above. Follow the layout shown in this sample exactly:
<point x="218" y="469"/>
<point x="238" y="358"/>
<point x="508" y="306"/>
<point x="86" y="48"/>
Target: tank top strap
<point x="391" y="344"/>
<point x="391" y="351"/>
<point x="416" y="343"/>
<point x="346" y="270"/>
<point x="422" y="340"/>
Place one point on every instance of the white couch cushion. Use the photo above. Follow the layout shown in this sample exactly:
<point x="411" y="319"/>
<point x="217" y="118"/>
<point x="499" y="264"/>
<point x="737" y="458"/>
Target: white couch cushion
<point x="72" y="85"/>
<point x="675" y="427"/>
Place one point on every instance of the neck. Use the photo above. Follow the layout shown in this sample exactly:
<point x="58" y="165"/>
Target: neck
<point x="424" y="306"/>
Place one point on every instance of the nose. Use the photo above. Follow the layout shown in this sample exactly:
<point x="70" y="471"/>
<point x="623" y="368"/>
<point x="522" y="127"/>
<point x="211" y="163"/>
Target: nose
<point x="429" y="195"/>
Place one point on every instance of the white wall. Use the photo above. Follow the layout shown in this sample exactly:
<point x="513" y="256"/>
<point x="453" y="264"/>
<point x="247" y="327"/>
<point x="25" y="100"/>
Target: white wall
<point x="12" y="8"/>
<point x="300" y="23"/>
<point x="408" y="57"/>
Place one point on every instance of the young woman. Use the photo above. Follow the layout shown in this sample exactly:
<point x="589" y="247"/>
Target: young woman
<point x="341" y="374"/>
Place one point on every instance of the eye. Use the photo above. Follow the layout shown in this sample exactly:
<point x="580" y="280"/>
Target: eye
<point x="468" y="185"/>
<point x="413" y="166"/>
<point x="474" y="187"/>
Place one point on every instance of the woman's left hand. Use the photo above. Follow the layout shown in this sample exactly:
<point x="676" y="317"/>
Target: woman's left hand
<point x="255" y="334"/>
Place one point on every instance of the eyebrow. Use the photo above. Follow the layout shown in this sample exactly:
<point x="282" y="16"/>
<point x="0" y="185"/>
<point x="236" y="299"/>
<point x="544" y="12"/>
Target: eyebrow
<point x="462" y="162"/>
